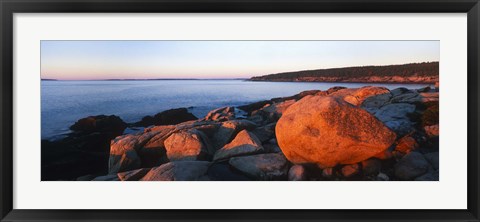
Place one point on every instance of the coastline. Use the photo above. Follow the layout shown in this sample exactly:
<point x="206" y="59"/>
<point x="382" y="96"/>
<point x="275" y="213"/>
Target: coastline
<point x="223" y="144"/>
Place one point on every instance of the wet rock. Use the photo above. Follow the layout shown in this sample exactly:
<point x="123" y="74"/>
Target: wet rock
<point x="327" y="131"/>
<point x="101" y="123"/>
<point x="297" y="173"/>
<point x="270" y="166"/>
<point x="244" y="143"/>
<point x="179" y="171"/>
<point x="411" y="166"/>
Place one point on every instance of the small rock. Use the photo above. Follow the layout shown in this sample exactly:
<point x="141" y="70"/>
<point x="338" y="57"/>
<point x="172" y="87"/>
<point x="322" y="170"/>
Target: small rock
<point x="327" y="172"/>
<point x="371" y="166"/>
<point x="406" y="145"/>
<point x="297" y="173"/>
<point x="411" y="166"/>
<point x="382" y="177"/>
<point x="350" y="170"/>
<point x="432" y="131"/>
<point x="271" y="166"/>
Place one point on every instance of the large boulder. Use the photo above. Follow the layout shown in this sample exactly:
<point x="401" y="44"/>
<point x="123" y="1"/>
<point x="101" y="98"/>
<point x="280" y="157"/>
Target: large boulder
<point x="328" y="131"/>
<point x="167" y="117"/>
<point x="244" y="143"/>
<point x="187" y="145"/>
<point x="179" y="171"/>
<point x="356" y="96"/>
<point x="100" y="123"/>
<point x="271" y="166"/>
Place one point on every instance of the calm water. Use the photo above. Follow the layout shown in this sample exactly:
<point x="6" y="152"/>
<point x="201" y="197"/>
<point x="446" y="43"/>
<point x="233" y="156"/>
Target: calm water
<point x="64" y="102"/>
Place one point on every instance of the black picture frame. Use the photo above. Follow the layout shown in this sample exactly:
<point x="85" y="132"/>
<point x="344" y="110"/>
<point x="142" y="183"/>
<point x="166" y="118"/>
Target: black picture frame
<point x="9" y="7"/>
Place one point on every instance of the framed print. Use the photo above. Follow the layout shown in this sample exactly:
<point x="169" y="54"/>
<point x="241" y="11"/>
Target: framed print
<point x="239" y="110"/>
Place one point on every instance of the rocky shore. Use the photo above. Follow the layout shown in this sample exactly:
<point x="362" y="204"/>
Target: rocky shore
<point x="368" y="133"/>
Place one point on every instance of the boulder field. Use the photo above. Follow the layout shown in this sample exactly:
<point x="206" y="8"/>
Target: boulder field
<point x="368" y="133"/>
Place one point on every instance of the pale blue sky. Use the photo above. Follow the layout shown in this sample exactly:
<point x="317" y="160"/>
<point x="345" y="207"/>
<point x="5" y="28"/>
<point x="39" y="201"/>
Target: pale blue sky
<point x="78" y="60"/>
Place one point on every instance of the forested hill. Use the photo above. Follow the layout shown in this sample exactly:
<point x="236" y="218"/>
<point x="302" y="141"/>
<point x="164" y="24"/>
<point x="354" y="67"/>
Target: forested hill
<point x="426" y="72"/>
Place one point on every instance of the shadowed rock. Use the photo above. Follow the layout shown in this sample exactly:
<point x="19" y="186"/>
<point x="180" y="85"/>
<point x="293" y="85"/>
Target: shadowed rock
<point x="297" y="173"/>
<point x="133" y="175"/>
<point x="411" y="166"/>
<point x="262" y="166"/>
<point x="167" y="117"/>
<point x="328" y="131"/>
<point x="101" y="123"/>
<point x="179" y="171"/>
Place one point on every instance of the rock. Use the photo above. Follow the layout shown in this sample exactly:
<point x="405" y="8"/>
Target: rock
<point x="186" y="145"/>
<point x="411" y="166"/>
<point x="437" y="86"/>
<point x="106" y="178"/>
<point x="385" y="155"/>
<point x="431" y="115"/>
<point x="430" y="176"/>
<point x="406" y="97"/>
<point x="350" y="170"/>
<point x="244" y="143"/>
<point x="227" y="131"/>
<point x="382" y="177"/>
<point x="221" y="171"/>
<point x="371" y="166"/>
<point x="297" y="173"/>
<point x="357" y="96"/>
<point x="374" y="103"/>
<point x="271" y="166"/>
<point x="167" y="117"/>
<point x="327" y="172"/>
<point x="395" y="116"/>
<point x="433" y="159"/>
<point x="179" y="171"/>
<point x="399" y="91"/>
<point x="432" y="131"/>
<point x="123" y="155"/>
<point x="86" y="178"/>
<point x="424" y="89"/>
<point x="271" y="148"/>
<point x="249" y="108"/>
<point x="221" y="114"/>
<point x="406" y="145"/>
<point x="276" y="110"/>
<point x="133" y="175"/>
<point x="265" y="133"/>
<point x="153" y="153"/>
<point x="101" y="123"/>
<point x="328" y="131"/>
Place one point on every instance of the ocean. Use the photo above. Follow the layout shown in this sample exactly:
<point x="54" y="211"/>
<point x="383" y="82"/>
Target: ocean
<point x="64" y="102"/>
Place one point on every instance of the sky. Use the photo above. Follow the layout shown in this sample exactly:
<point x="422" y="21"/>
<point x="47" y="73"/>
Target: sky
<point x="92" y="60"/>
